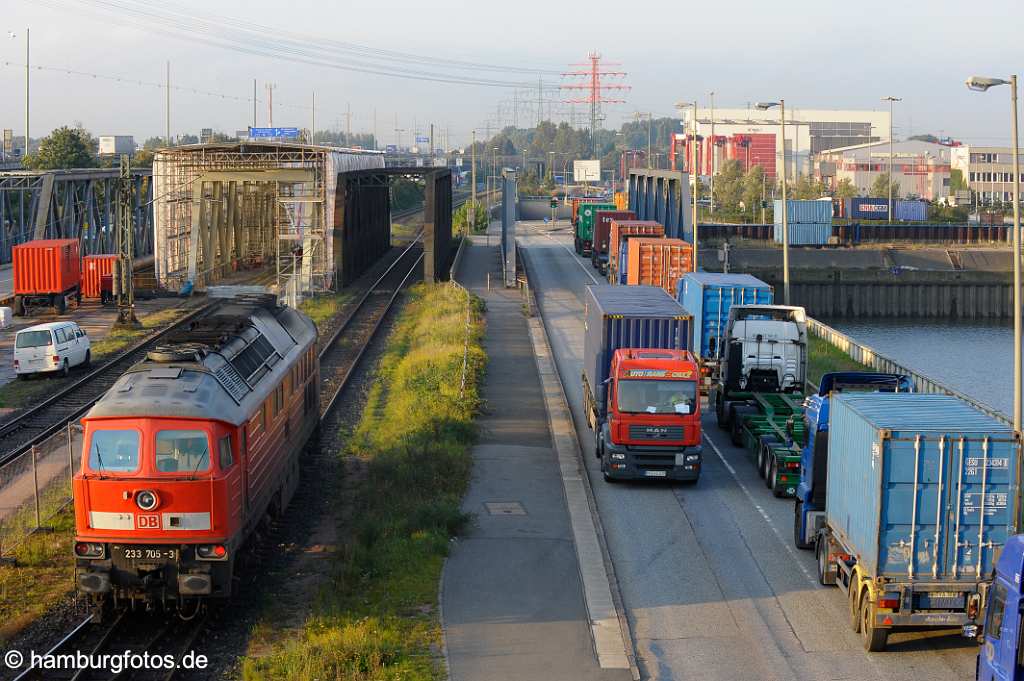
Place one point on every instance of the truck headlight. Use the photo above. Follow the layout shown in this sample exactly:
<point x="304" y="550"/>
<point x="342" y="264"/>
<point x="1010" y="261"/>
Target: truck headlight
<point x="692" y="458"/>
<point x="618" y="457"/>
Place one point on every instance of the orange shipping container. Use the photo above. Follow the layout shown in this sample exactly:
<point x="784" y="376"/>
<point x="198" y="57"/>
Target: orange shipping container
<point x="46" y="266"/>
<point x="658" y="262"/>
<point x="94" y="268"/>
<point x="621" y="229"/>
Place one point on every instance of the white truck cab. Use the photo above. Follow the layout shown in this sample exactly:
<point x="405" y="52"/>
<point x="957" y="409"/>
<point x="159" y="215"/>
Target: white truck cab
<point x="52" y="347"/>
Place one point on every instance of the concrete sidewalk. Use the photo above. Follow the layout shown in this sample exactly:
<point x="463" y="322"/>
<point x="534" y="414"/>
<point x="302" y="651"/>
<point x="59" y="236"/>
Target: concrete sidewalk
<point x="512" y="598"/>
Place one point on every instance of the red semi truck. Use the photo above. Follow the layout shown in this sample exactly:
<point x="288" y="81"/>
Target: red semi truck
<point x="640" y="384"/>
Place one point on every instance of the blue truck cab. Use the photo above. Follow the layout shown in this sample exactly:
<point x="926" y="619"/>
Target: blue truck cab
<point x="809" y="513"/>
<point x="1001" y="657"/>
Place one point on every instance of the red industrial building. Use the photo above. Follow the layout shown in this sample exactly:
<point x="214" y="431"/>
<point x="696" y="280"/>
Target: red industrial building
<point x="750" y="149"/>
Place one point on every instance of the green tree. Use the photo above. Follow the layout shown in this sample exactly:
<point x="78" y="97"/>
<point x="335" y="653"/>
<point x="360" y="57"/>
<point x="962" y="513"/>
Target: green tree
<point x="805" y="187"/>
<point x="64" y="148"/>
<point x="956" y="180"/>
<point x="880" y="187"/>
<point x="143" y="158"/>
<point x="845" y="189"/>
<point x="754" y="187"/>
<point x="729" y="185"/>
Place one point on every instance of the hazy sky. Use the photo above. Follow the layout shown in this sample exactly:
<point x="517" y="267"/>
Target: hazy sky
<point x="821" y="54"/>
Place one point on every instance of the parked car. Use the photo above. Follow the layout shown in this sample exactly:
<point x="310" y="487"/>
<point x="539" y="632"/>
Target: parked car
<point x="53" y="347"/>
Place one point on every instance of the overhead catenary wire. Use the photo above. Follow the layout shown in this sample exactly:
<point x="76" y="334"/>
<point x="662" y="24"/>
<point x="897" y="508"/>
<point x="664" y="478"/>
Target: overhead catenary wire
<point x="245" y="37"/>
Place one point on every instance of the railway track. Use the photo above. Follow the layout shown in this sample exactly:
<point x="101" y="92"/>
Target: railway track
<point x="169" y="637"/>
<point x="69" y="403"/>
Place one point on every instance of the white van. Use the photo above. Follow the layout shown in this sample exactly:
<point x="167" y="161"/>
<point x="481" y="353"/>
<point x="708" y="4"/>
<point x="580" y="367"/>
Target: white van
<point x="56" y="346"/>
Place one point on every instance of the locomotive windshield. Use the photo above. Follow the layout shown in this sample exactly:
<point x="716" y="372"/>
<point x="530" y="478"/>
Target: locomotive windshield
<point x="114" y="451"/>
<point x="182" y="451"/>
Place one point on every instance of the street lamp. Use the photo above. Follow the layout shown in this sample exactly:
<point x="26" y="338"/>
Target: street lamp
<point x="12" y="35"/>
<point x="693" y="174"/>
<point x="890" y="99"/>
<point x="764" y="106"/>
<point x="981" y="84"/>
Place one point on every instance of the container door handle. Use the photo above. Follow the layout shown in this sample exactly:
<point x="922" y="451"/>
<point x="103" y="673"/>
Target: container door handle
<point x="981" y="506"/>
<point x="938" y="507"/>
<point x="913" y="512"/>
<point x="959" y="496"/>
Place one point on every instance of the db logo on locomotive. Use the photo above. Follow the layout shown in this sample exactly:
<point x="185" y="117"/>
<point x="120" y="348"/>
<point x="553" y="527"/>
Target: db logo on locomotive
<point x="147" y="522"/>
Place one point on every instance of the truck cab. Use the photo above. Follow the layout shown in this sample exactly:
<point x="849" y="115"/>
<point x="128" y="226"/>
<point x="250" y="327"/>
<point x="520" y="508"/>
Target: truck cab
<point x="809" y="514"/>
<point x="1001" y="657"/>
<point x="652" y="424"/>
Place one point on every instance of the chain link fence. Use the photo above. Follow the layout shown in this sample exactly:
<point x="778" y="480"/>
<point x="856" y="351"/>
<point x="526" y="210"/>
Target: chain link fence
<point x="36" y="485"/>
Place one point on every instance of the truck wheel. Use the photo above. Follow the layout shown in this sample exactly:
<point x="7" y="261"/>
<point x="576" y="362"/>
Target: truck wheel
<point x="19" y="306"/>
<point x="825" y="575"/>
<point x="766" y="467"/>
<point x="599" y="445"/>
<point x="798" y="517"/>
<point x="773" y="479"/>
<point x="59" y="303"/>
<point x="874" y="639"/>
<point x="854" y="601"/>
<point x="721" y="412"/>
<point x="761" y="455"/>
<point x="64" y="369"/>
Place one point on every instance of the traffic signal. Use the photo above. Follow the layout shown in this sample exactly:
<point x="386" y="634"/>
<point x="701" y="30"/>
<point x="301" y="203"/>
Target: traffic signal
<point x="554" y="203"/>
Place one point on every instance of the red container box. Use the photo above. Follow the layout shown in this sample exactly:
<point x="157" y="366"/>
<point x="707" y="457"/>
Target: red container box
<point x="46" y="267"/>
<point x="658" y="262"/>
<point x="603" y="228"/>
<point x="623" y="229"/>
<point x="94" y="268"/>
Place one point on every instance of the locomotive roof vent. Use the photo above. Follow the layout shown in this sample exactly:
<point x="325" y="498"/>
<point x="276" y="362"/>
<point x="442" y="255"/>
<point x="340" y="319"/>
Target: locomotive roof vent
<point x="177" y="353"/>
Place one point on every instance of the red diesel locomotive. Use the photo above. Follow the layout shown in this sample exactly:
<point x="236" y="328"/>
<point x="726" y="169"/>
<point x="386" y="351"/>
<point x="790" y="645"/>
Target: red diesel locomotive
<point x="189" y="451"/>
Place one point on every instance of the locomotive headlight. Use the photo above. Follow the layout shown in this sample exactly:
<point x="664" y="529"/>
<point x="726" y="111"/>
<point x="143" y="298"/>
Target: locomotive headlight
<point x="88" y="550"/>
<point x="147" y="500"/>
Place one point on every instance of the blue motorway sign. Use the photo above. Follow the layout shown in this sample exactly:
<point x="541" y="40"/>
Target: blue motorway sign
<point x="391" y="149"/>
<point x="273" y="132"/>
<point x="420" y="139"/>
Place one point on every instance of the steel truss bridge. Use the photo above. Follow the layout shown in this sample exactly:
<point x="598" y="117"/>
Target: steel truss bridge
<point x="72" y="204"/>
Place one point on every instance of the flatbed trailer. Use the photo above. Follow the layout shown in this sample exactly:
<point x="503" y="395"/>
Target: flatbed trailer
<point x="771" y="427"/>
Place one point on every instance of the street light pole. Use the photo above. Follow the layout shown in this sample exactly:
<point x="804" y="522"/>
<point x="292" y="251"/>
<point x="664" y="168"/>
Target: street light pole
<point x="764" y="106"/>
<point x="713" y="154"/>
<point x="890" y="99"/>
<point x="981" y="84"/>
<point x="472" y="180"/>
<point x="27" y="138"/>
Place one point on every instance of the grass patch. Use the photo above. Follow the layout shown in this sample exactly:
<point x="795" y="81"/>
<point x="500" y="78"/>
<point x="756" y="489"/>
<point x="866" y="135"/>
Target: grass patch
<point x="120" y="338"/>
<point x="376" y="618"/>
<point x="323" y="308"/>
<point x="42" y="575"/>
<point x="823" y="357"/>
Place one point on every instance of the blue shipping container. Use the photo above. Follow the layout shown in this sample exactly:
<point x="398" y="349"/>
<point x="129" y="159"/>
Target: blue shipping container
<point x="805" y="233"/>
<point x="863" y="208"/>
<point x="708" y="296"/>
<point x="814" y="211"/>
<point x="628" y="317"/>
<point x="880" y="444"/>
<point x="906" y="209"/>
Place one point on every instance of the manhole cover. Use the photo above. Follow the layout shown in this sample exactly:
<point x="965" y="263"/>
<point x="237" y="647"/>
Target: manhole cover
<point x="505" y="508"/>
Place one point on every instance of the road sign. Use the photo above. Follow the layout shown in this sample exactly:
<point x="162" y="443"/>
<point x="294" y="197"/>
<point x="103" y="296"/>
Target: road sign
<point x="422" y="139"/>
<point x="458" y="161"/>
<point x="586" y="171"/>
<point x="274" y="132"/>
<point x="391" y="149"/>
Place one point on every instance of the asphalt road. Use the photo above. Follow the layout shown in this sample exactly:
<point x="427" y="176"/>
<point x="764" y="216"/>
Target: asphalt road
<point x="713" y="587"/>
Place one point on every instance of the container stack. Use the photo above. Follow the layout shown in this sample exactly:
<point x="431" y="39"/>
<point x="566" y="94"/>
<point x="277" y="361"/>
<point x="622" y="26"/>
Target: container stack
<point x="810" y="222"/>
<point x="657" y="262"/>
<point x="620" y="232"/>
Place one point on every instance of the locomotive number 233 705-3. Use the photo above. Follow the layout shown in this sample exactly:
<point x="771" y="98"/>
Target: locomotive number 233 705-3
<point x="149" y="553"/>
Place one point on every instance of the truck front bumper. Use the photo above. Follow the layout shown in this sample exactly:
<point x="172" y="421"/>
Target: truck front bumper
<point x="656" y="463"/>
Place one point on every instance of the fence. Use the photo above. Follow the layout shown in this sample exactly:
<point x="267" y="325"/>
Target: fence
<point x="872" y="358"/>
<point x="36" y="485"/>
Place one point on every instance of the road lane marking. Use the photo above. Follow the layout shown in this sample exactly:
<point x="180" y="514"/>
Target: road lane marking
<point x="775" y="530"/>
<point x="571" y="253"/>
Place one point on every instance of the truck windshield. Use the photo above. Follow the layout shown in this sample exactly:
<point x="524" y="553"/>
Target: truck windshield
<point x="33" y="339"/>
<point x="114" y="451"/>
<point x="640" y="396"/>
<point x="182" y="451"/>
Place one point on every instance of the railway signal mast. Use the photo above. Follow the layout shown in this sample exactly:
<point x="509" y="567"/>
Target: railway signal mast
<point x="595" y="90"/>
<point x="124" y="290"/>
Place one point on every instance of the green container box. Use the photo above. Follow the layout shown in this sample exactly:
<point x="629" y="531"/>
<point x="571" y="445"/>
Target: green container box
<point x="585" y="219"/>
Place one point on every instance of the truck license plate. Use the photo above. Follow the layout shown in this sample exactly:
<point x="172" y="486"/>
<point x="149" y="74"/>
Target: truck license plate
<point x="655" y="474"/>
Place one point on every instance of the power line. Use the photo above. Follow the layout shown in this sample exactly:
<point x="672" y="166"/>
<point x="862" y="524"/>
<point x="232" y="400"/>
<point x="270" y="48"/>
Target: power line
<point x="246" y="37"/>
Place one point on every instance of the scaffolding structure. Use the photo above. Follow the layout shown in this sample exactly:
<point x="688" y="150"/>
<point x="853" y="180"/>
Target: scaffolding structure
<point x="219" y="208"/>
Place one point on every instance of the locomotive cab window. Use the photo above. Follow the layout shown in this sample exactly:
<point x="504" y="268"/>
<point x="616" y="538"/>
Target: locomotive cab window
<point x="225" y="458"/>
<point x="114" y="451"/>
<point x="182" y="451"/>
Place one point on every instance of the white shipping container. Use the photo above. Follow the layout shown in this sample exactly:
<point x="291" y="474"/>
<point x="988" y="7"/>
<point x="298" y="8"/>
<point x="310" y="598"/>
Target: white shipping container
<point x="116" y="144"/>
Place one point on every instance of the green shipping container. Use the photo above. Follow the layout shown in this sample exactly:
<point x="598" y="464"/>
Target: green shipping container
<point x="585" y="219"/>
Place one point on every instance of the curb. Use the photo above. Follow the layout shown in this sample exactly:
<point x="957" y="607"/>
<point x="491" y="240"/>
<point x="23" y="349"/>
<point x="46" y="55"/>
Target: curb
<point x="609" y="627"/>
